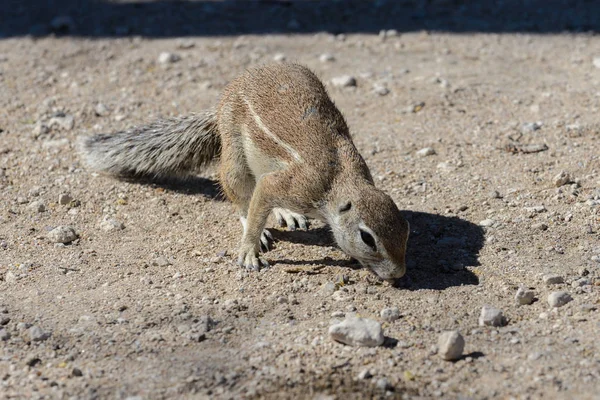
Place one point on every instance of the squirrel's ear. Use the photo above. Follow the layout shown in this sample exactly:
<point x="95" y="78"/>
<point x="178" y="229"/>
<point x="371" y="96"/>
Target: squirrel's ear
<point x="345" y="207"/>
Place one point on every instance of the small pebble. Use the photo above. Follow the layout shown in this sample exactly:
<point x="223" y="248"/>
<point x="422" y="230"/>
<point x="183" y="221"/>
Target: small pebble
<point x="357" y="332"/>
<point x="529" y="127"/>
<point x="487" y="223"/>
<point x="390" y="314"/>
<point x="381" y="90"/>
<point x="524" y="296"/>
<point x="561" y="179"/>
<point x="64" y="121"/>
<point x="559" y="299"/>
<point x="76" y="372"/>
<point x="494" y="194"/>
<point x="101" y="110"/>
<point x="36" y="206"/>
<point x="4" y="335"/>
<point x="491" y="316"/>
<point x="62" y="234"/>
<point x="344" y="81"/>
<point x="383" y="384"/>
<point x="326" y="57"/>
<point x="111" y="224"/>
<point x="451" y="345"/>
<point x="596" y="62"/>
<point x="365" y="374"/>
<point x="168" y="58"/>
<point x="427" y="151"/>
<point x="279" y="57"/>
<point x="552" y="279"/>
<point x="37" y="334"/>
<point x="64" y="199"/>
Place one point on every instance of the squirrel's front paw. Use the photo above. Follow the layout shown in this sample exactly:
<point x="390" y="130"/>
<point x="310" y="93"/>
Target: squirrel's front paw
<point x="290" y="219"/>
<point x="249" y="259"/>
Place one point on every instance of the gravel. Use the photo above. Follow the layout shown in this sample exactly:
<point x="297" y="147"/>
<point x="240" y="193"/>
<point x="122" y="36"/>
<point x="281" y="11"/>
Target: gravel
<point x="451" y="345"/>
<point x="559" y="299"/>
<point x="357" y="332"/>
<point x="491" y="316"/>
<point x="62" y="234"/>
<point x="168" y="58"/>
<point x="37" y="206"/>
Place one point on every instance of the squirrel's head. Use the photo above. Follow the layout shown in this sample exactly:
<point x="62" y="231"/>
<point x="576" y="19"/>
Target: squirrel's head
<point x="368" y="226"/>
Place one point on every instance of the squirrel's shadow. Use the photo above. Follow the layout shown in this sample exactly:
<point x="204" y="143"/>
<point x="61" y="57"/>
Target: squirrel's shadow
<point x="190" y="185"/>
<point x="439" y="250"/>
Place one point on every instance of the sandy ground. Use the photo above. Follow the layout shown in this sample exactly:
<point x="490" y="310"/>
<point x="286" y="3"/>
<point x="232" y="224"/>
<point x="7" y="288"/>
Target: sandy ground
<point x="156" y="307"/>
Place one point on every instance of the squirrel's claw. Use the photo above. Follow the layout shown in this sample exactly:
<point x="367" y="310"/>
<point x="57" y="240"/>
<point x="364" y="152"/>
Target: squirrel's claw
<point x="266" y="241"/>
<point x="290" y="219"/>
<point x="251" y="260"/>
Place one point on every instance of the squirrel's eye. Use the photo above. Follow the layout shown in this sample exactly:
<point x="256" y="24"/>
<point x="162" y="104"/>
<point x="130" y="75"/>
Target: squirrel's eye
<point x="345" y="207"/>
<point x="367" y="238"/>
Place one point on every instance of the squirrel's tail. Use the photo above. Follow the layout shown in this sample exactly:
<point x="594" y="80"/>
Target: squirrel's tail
<point x="167" y="147"/>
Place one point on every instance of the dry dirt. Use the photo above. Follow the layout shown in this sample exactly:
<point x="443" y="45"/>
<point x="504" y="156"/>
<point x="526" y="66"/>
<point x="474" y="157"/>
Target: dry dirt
<point x="160" y="310"/>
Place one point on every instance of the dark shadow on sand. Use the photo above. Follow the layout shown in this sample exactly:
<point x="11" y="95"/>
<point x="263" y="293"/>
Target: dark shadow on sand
<point x="440" y="251"/>
<point x="184" y="18"/>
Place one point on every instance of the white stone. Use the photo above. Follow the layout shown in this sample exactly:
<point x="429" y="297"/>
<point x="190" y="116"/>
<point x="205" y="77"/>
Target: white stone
<point x="561" y="179"/>
<point x="487" y="223"/>
<point x="524" y="296"/>
<point x="279" y="57"/>
<point x="427" y="151"/>
<point x="596" y="62"/>
<point x="326" y="57"/>
<point x="37" y="206"/>
<point x="65" y="122"/>
<point x="390" y="314"/>
<point x="168" y="58"/>
<point x="110" y="224"/>
<point x="62" y="234"/>
<point x="451" y="345"/>
<point x="491" y="316"/>
<point x="559" y="299"/>
<point x="344" y="81"/>
<point x="357" y="332"/>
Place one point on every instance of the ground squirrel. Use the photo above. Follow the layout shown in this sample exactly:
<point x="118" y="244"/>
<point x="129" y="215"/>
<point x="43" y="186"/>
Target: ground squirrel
<point x="285" y="148"/>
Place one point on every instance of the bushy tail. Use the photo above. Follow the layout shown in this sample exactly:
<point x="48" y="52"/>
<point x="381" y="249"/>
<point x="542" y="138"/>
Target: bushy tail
<point x="167" y="147"/>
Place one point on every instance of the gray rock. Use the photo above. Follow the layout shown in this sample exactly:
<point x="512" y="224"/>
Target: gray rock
<point x="357" y="332"/>
<point x="37" y="334"/>
<point x="427" y="151"/>
<point x="529" y="127"/>
<point x="4" y="335"/>
<point x="451" y="345"/>
<point x="524" y="296"/>
<point x="344" y="81"/>
<point x="559" y="299"/>
<point x="101" y="110"/>
<point x="561" y="179"/>
<point x="64" y="199"/>
<point x="62" y="234"/>
<point x="494" y="194"/>
<point x="111" y="224"/>
<point x="553" y="279"/>
<point x="491" y="316"/>
<point x="64" y="121"/>
<point x="36" y="206"/>
<point x="390" y="314"/>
